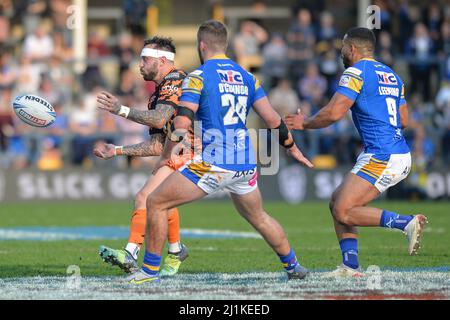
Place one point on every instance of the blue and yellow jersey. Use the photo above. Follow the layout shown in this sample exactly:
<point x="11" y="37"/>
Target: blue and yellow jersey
<point x="378" y="92"/>
<point x="225" y="92"/>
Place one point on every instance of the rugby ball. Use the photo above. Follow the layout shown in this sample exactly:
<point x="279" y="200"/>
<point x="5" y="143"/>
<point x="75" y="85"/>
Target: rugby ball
<point x="34" y="110"/>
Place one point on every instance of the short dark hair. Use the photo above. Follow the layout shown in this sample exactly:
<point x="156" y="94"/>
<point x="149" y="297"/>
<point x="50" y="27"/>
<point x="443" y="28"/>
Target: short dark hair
<point x="213" y="33"/>
<point x="362" y="38"/>
<point x="162" y="43"/>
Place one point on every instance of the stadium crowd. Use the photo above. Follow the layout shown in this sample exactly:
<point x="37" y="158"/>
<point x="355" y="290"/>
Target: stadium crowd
<point x="298" y="68"/>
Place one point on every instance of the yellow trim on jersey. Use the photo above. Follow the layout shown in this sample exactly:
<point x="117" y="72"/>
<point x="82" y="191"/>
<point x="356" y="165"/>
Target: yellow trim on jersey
<point x="197" y="76"/>
<point x="257" y="83"/>
<point x="192" y="91"/>
<point x="355" y="84"/>
<point x="351" y="74"/>
<point x="370" y="59"/>
<point x="194" y="83"/>
<point x="219" y="56"/>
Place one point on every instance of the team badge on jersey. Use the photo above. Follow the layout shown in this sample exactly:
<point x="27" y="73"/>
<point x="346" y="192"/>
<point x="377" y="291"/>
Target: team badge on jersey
<point x="345" y="80"/>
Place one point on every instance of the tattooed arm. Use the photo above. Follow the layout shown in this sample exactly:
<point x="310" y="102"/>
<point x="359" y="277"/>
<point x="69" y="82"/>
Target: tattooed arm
<point x="152" y="147"/>
<point x="155" y="118"/>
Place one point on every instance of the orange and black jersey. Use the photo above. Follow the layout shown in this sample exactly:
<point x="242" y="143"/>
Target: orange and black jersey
<point x="168" y="92"/>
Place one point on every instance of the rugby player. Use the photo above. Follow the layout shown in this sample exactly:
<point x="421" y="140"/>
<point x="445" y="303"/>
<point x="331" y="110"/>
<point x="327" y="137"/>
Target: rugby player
<point x="220" y="93"/>
<point x="375" y="95"/>
<point x="156" y="64"/>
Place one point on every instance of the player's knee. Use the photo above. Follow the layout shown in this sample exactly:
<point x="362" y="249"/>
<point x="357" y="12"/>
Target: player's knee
<point x="155" y="202"/>
<point x="140" y="199"/>
<point x="151" y="201"/>
<point x="339" y="212"/>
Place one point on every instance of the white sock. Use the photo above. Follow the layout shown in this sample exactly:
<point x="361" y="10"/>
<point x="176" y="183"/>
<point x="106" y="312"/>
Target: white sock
<point x="175" y="247"/>
<point x="133" y="249"/>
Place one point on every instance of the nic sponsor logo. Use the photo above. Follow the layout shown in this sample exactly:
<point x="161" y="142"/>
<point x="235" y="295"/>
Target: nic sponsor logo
<point x="386" y="78"/>
<point x="230" y="76"/>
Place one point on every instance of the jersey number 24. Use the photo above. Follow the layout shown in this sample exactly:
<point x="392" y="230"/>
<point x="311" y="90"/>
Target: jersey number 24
<point x="236" y="105"/>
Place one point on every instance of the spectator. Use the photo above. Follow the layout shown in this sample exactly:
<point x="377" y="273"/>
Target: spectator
<point x="283" y="98"/>
<point x="312" y="86"/>
<point x="62" y="28"/>
<point x="307" y="140"/>
<point x="32" y="12"/>
<point x="19" y="151"/>
<point x="28" y="76"/>
<point x="124" y="51"/>
<point x="6" y="13"/>
<point x="409" y="16"/>
<point x="83" y="124"/>
<point x="58" y="130"/>
<point x="275" y="60"/>
<point x="97" y="46"/>
<point x="92" y="76"/>
<point x="442" y="118"/>
<point x="7" y="80"/>
<point x="326" y="31"/>
<point x="301" y="42"/>
<point x="433" y="19"/>
<point x="135" y="14"/>
<point x="329" y="67"/>
<point x="60" y="14"/>
<point x="127" y="88"/>
<point x="384" y="50"/>
<point x="421" y="146"/>
<point x="48" y="91"/>
<point x="62" y="77"/>
<point x="444" y="50"/>
<point x="420" y="51"/>
<point x="385" y="15"/>
<point x="63" y="50"/>
<point x="38" y="46"/>
<point x="50" y="157"/>
<point x="247" y="44"/>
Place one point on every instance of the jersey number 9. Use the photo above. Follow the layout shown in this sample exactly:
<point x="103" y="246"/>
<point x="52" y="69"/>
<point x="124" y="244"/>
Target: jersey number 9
<point x="392" y="110"/>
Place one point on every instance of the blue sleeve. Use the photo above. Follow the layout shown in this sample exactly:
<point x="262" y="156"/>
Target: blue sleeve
<point x="351" y="82"/>
<point x="259" y="91"/>
<point x="192" y="87"/>
<point x="352" y="95"/>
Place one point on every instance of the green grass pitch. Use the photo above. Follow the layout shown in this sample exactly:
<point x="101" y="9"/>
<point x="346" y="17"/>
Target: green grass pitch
<point x="308" y="225"/>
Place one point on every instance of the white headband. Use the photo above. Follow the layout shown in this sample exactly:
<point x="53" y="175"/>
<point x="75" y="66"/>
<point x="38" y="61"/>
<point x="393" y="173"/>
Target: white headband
<point x="155" y="53"/>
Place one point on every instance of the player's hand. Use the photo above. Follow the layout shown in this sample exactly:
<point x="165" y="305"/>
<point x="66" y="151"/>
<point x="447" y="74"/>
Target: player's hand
<point x="106" y="101"/>
<point x="295" y="121"/>
<point x="105" y="151"/>
<point x="295" y="153"/>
